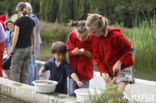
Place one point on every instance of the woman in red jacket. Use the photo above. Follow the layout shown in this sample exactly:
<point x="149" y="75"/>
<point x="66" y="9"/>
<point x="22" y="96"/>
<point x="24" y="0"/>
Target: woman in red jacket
<point x="2" y="20"/>
<point x="2" y="39"/>
<point x="80" y="55"/>
<point x="112" y="52"/>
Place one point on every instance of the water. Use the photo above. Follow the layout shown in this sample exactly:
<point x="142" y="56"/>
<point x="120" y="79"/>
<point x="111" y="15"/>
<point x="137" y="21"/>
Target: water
<point x="5" y="99"/>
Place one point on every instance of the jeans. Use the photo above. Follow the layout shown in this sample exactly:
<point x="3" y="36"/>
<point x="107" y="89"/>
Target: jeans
<point x="71" y="86"/>
<point x="32" y="68"/>
<point x="20" y="64"/>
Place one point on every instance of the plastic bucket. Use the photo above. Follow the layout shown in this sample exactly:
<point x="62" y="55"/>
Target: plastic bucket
<point x="84" y="95"/>
<point x="45" y="86"/>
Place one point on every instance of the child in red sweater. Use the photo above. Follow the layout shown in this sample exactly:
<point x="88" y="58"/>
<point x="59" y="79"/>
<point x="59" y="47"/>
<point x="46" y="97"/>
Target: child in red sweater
<point x="112" y="52"/>
<point x="80" y="55"/>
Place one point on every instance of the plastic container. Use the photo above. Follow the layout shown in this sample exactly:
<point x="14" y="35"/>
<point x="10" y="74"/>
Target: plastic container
<point x="84" y="95"/>
<point x="45" y="86"/>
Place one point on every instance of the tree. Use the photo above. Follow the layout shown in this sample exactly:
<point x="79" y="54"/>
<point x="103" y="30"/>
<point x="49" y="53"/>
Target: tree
<point x="138" y="7"/>
<point x="8" y="6"/>
<point x="80" y="9"/>
<point x="48" y="10"/>
<point x="36" y="6"/>
<point x="65" y="10"/>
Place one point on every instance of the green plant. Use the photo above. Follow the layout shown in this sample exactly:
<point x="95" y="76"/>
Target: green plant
<point x="110" y="95"/>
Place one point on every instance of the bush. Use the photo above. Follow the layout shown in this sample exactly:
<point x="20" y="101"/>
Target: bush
<point x="53" y="32"/>
<point x="110" y="95"/>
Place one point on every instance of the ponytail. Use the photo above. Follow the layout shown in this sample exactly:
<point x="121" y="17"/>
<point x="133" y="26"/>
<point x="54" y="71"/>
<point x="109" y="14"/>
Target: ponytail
<point x="22" y="7"/>
<point x="97" y="21"/>
<point x="74" y="23"/>
<point x="79" y="25"/>
<point x="25" y="11"/>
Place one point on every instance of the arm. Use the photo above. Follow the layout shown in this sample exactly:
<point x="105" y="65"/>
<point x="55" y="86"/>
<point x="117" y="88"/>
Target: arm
<point x="128" y="50"/>
<point x="34" y="40"/>
<point x="85" y="52"/>
<point x="76" y="79"/>
<point x="126" y="46"/>
<point x="89" y="50"/>
<point x="40" y="73"/>
<point x="14" y="39"/>
<point x="106" y="78"/>
<point x="44" y="68"/>
<point x="70" y="46"/>
<point x="98" y="58"/>
<point x="72" y="49"/>
<point x="73" y="75"/>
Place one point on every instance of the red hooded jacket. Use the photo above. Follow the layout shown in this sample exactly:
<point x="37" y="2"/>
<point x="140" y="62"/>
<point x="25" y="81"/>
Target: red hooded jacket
<point x="2" y="19"/>
<point x="108" y="50"/>
<point x="81" y="64"/>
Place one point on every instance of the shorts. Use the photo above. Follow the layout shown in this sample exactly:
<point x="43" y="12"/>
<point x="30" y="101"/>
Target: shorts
<point x="125" y="75"/>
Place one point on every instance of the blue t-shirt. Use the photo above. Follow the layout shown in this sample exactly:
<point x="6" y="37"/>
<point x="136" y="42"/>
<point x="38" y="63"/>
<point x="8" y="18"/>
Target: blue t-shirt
<point x="8" y="33"/>
<point x="59" y="74"/>
<point x="34" y="18"/>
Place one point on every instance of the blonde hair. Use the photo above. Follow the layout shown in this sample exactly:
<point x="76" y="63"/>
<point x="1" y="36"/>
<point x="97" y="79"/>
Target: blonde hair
<point x="79" y="25"/>
<point x="21" y="6"/>
<point x="29" y="6"/>
<point x="97" y="21"/>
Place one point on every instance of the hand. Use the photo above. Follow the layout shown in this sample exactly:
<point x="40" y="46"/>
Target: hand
<point x="82" y="51"/>
<point x="5" y="52"/>
<point x="40" y="73"/>
<point x="106" y="78"/>
<point x="75" y="51"/>
<point x="33" y="52"/>
<point x="79" y="83"/>
<point x="7" y="57"/>
<point x="11" y="52"/>
<point x="117" y="67"/>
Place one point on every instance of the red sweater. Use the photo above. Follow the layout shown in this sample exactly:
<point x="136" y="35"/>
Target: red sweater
<point x="108" y="50"/>
<point x="81" y="64"/>
<point x="2" y="19"/>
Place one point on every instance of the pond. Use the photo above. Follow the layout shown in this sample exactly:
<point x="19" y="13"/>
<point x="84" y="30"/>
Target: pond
<point x="5" y="99"/>
<point x="44" y="54"/>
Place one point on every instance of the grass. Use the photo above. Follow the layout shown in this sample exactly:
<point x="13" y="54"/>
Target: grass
<point x="143" y="40"/>
<point x="52" y="32"/>
<point x="145" y="75"/>
<point x="44" y="53"/>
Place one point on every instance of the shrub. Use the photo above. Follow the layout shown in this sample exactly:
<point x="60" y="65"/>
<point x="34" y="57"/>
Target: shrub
<point x="53" y="32"/>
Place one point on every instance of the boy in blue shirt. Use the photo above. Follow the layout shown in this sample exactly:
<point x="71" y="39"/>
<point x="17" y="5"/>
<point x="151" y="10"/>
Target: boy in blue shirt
<point x="59" y="68"/>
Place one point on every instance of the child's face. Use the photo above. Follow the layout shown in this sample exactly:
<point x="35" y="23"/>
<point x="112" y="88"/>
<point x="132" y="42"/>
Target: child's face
<point x="59" y="56"/>
<point x="10" y="26"/>
<point x="96" y="32"/>
<point x="83" y="36"/>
